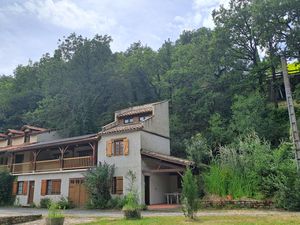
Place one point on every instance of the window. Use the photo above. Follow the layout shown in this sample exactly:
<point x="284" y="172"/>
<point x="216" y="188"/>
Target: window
<point x="53" y="187"/>
<point x="117" y="185"/>
<point x="128" y="120"/>
<point x="9" y="140"/>
<point x="143" y="118"/>
<point x="19" y="158"/>
<point x="20" y="187"/>
<point x="118" y="147"/>
<point x="27" y="138"/>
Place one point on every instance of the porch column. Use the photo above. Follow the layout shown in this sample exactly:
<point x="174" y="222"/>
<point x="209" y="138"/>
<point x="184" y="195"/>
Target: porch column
<point x="35" y="154"/>
<point x="62" y="152"/>
<point x="94" y="148"/>
<point x="10" y="162"/>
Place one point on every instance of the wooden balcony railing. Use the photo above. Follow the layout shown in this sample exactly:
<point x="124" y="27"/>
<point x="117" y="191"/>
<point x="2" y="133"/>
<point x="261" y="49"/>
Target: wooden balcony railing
<point x="4" y="167"/>
<point x="47" y="165"/>
<point x="78" y="162"/>
<point x="52" y="165"/>
<point x="22" y="167"/>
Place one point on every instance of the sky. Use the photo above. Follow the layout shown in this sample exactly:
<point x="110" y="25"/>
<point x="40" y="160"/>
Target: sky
<point x="31" y="28"/>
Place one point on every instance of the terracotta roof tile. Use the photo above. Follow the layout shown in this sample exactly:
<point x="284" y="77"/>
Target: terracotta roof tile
<point x="123" y="128"/>
<point x="3" y="135"/>
<point x="15" y="131"/>
<point x="33" y="128"/>
<point x="136" y="111"/>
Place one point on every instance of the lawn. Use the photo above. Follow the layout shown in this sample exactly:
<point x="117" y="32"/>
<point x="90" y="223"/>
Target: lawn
<point x="204" y="220"/>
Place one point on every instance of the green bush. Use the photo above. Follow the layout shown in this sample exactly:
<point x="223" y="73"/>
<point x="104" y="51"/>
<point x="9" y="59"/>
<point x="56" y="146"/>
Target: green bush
<point x="98" y="183"/>
<point x="131" y="209"/>
<point x="189" y="194"/>
<point x="6" y="183"/>
<point x="54" y="211"/>
<point x="45" y="203"/>
<point x="65" y="203"/>
<point x="116" y="203"/>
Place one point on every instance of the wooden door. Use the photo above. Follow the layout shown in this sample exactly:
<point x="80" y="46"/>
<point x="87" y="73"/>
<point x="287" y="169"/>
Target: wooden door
<point x="147" y="190"/>
<point x="30" y="192"/>
<point x="77" y="192"/>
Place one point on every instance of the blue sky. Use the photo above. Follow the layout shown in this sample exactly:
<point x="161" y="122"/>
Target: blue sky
<point x="30" y="28"/>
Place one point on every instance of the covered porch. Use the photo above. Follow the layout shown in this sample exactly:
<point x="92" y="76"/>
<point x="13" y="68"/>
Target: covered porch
<point x="64" y="154"/>
<point x="162" y="177"/>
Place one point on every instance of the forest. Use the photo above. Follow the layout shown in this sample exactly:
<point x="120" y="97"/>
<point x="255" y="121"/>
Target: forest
<point x="226" y="100"/>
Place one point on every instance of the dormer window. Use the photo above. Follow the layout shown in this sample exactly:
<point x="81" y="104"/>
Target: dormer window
<point x="26" y="137"/>
<point x="9" y="140"/>
<point x="143" y="118"/>
<point x="128" y="120"/>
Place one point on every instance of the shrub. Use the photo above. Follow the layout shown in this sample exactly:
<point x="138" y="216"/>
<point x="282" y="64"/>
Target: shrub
<point x="54" y="211"/>
<point x="6" y="183"/>
<point x="98" y="183"/>
<point x="189" y="194"/>
<point x="65" y="203"/>
<point x="131" y="208"/>
<point x="45" y="203"/>
<point x="116" y="203"/>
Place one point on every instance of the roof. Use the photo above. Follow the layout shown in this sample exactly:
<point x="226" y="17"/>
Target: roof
<point x="33" y="128"/>
<point x="19" y="132"/>
<point x="135" y="111"/>
<point x="53" y="143"/>
<point x="167" y="158"/>
<point x="123" y="128"/>
<point x="3" y="135"/>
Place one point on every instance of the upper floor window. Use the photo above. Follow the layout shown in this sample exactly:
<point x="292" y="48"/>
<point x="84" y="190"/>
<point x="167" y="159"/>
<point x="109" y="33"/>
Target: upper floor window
<point x="19" y="158"/>
<point x="118" y="147"/>
<point x="143" y="118"/>
<point x="115" y="147"/>
<point x="9" y="140"/>
<point x="27" y="138"/>
<point x="128" y="120"/>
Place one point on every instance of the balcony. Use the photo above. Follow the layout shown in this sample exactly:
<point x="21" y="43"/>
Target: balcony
<point x="52" y="165"/>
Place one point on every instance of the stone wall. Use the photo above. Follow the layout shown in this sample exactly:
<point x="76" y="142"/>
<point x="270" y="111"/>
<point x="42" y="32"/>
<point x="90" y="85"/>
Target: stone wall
<point x="8" y="220"/>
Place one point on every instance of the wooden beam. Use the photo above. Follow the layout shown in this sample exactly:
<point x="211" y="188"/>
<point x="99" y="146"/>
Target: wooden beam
<point x="165" y="170"/>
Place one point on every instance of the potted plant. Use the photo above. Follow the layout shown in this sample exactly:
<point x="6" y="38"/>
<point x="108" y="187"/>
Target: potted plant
<point x="131" y="209"/>
<point x="55" y="216"/>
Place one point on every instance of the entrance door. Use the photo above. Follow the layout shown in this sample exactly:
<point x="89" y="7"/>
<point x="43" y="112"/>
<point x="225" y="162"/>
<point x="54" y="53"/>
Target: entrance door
<point x="30" y="192"/>
<point x="77" y="192"/>
<point x="147" y="190"/>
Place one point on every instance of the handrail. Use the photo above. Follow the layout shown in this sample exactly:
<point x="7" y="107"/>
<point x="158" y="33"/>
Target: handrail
<point x="51" y="160"/>
<point x="24" y="163"/>
<point x="81" y="157"/>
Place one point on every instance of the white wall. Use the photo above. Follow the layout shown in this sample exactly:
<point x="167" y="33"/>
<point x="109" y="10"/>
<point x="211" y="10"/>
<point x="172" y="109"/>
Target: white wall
<point x="159" y="123"/>
<point x="64" y="176"/>
<point x="155" y="143"/>
<point x="123" y="163"/>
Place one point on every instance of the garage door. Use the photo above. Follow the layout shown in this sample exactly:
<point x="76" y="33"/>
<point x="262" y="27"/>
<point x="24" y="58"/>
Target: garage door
<point x="77" y="192"/>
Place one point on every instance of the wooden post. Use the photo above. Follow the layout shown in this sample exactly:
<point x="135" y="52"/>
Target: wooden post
<point x="291" y="111"/>
<point x="94" y="148"/>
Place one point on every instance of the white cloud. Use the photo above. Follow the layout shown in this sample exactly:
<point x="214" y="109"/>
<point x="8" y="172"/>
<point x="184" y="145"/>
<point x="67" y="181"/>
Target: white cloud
<point x="65" y="14"/>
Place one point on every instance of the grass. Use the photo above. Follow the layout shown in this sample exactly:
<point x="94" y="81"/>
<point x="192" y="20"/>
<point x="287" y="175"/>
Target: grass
<point x="205" y="220"/>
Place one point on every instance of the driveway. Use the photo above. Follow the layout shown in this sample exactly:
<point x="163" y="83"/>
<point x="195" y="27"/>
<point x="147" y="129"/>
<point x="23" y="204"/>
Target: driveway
<point x="109" y="213"/>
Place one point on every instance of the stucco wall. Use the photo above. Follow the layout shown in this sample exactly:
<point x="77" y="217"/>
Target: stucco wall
<point x="155" y="143"/>
<point x="64" y="176"/>
<point x="124" y="163"/>
<point x="3" y="143"/>
<point x="17" y="140"/>
<point x="159" y="123"/>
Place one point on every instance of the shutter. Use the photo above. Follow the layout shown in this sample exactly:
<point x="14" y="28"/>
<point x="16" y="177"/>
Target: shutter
<point x="15" y="188"/>
<point x="119" y="185"/>
<point x="56" y="184"/>
<point x="25" y="187"/>
<point x="44" y="187"/>
<point x="109" y="148"/>
<point x="126" y="146"/>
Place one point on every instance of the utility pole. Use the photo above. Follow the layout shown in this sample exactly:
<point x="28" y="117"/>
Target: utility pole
<point x="291" y="111"/>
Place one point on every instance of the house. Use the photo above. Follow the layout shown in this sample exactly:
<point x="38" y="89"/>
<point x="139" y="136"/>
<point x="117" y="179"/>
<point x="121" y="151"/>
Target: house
<point x="138" y="140"/>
